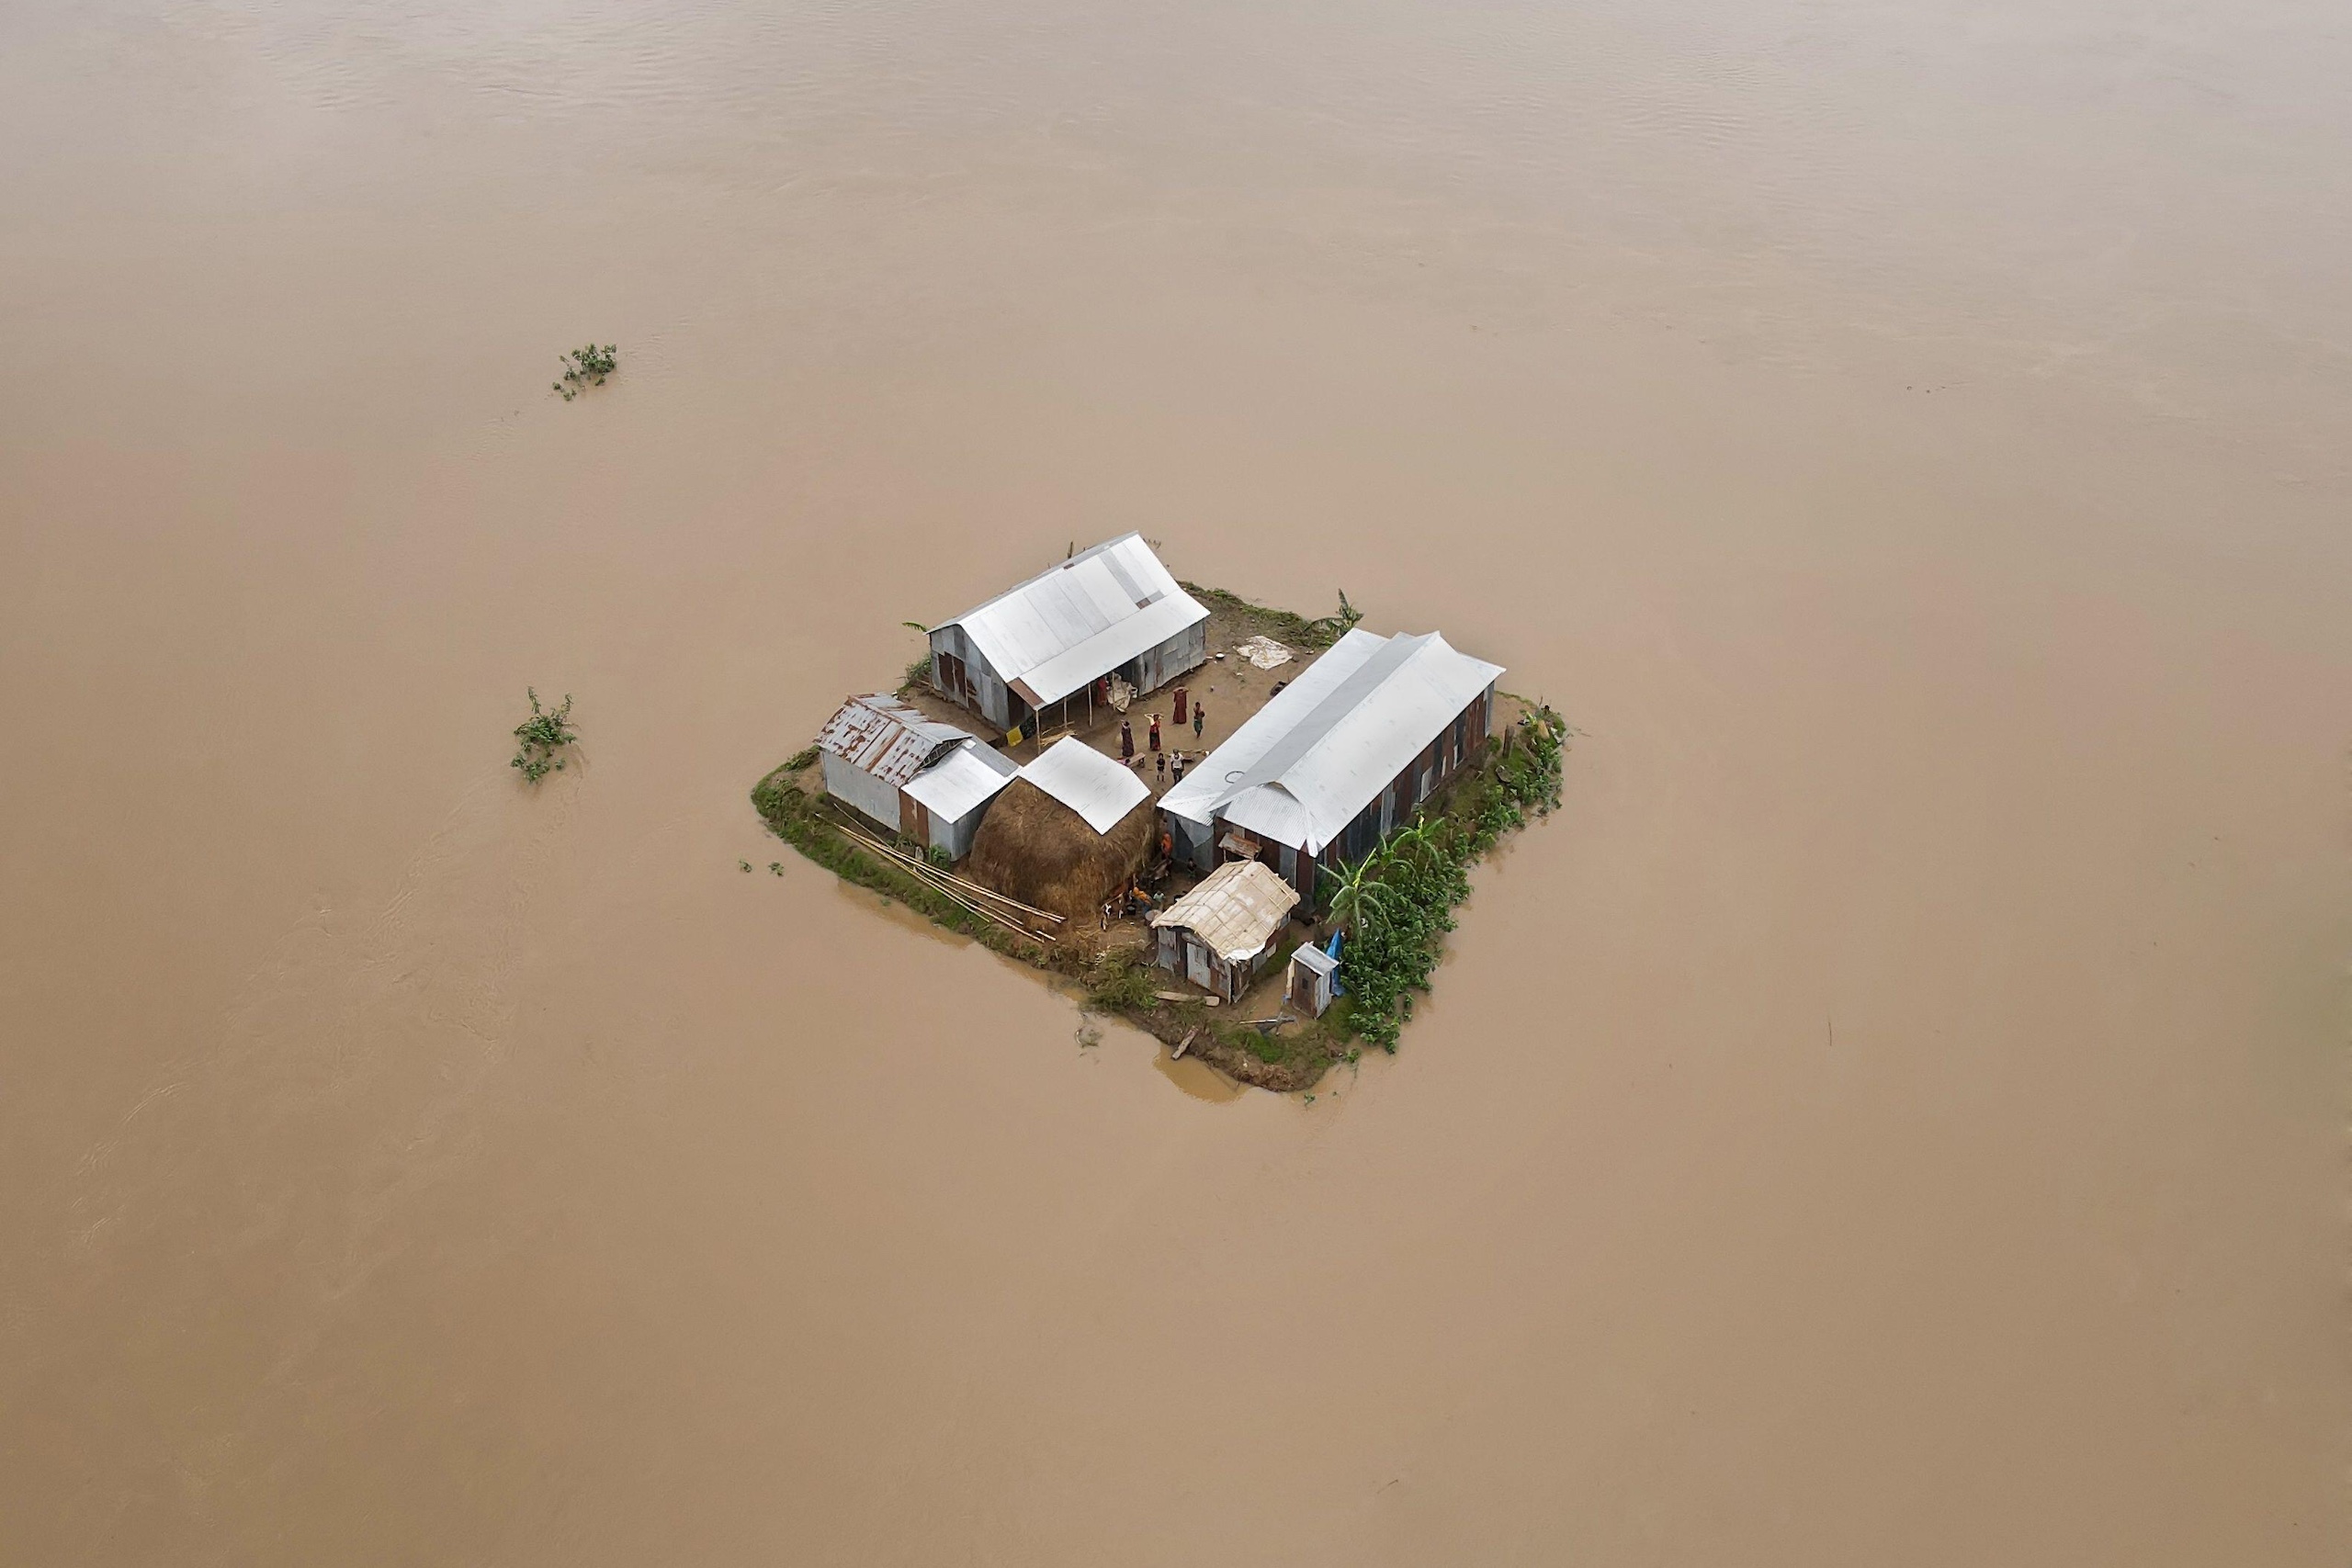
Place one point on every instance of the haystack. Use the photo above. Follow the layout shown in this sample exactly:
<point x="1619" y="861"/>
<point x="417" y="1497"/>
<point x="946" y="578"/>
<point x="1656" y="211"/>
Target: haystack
<point x="1033" y="848"/>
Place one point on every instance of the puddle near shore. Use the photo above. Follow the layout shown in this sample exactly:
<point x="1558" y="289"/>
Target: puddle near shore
<point x="1196" y="1077"/>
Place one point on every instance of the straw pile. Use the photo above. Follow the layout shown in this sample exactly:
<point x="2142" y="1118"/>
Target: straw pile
<point x="1033" y="848"/>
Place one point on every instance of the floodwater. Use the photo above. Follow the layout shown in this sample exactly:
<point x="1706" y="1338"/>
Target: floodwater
<point x="1894" y="1114"/>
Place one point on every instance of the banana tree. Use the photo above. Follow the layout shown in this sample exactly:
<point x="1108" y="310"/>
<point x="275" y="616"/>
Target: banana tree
<point x="1357" y="892"/>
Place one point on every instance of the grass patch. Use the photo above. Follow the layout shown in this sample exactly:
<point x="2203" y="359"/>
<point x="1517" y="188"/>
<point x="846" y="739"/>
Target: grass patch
<point x="1284" y="625"/>
<point x="1116" y="983"/>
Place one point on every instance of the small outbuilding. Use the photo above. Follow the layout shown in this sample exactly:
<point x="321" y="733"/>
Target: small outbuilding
<point x="911" y="775"/>
<point x="955" y="793"/>
<point x="1221" y="933"/>
<point x="1068" y="831"/>
<point x="1309" y="983"/>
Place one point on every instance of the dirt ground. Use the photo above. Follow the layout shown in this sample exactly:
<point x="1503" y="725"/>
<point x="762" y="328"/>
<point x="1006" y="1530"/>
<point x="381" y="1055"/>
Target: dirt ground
<point x="1229" y="687"/>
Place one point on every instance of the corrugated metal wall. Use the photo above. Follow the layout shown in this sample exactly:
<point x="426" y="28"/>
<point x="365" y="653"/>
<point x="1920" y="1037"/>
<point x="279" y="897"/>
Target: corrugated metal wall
<point x="854" y="786"/>
<point x="1184" y="652"/>
<point x="988" y="696"/>
<point x="955" y="837"/>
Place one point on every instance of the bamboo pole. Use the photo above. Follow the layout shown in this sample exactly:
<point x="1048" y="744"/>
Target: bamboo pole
<point x="937" y="881"/>
<point x="924" y="876"/>
<point x="989" y="892"/>
<point x="964" y="883"/>
<point x="925" y="872"/>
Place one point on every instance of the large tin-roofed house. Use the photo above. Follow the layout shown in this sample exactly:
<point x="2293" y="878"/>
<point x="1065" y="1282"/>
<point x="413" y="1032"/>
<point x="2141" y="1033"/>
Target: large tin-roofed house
<point x="1340" y="756"/>
<point x="1042" y="646"/>
<point x="911" y="775"/>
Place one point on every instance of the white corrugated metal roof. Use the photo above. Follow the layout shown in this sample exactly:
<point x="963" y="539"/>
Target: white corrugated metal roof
<point x="961" y="780"/>
<point x="1235" y="908"/>
<point x="1087" y="782"/>
<point x="1107" y="649"/>
<point x="1212" y="781"/>
<point x="880" y="735"/>
<point x="1304" y="765"/>
<point x="1315" y="958"/>
<point x="1082" y="618"/>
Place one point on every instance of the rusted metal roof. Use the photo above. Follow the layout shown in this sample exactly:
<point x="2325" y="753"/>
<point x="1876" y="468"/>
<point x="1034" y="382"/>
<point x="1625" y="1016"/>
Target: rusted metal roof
<point x="882" y="736"/>
<point x="1236" y="910"/>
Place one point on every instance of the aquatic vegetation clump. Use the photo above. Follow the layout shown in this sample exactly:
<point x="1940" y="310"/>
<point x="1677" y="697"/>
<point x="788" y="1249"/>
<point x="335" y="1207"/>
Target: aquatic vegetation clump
<point x="586" y="367"/>
<point x="540" y="739"/>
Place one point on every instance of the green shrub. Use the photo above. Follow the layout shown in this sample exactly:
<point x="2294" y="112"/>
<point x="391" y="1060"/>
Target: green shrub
<point x="1398" y="903"/>
<point x="586" y="367"/>
<point x="1287" y="624"/>
<point x="1116" y="983"/>
<point x="539" y="739"/>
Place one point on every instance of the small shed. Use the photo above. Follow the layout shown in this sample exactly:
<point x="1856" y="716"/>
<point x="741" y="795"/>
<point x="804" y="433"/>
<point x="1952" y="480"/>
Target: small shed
<point x="911" y="775"/>
<point x="953" y="793"/>
<point x="1221" y="933"/>
<point x="1308" y="983"/>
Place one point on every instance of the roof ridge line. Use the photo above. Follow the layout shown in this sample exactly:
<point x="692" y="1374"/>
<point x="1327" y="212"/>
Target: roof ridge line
<point x="1351" y="693"/>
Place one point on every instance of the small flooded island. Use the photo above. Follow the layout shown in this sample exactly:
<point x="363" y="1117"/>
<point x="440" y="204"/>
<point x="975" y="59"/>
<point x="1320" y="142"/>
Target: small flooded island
<point x="1241" y="830"/>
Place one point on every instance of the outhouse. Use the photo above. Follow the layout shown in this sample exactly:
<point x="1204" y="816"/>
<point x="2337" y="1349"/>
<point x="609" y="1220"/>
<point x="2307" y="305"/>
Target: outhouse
<point x="1308" y="983"/>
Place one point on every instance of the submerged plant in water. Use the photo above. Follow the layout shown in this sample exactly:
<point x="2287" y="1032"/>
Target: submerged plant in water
<point x="539" y="738"/>
<point x="586" y="367"/>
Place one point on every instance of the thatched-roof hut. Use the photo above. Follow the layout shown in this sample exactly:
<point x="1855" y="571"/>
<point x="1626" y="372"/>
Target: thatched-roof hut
<point x="1033" y="848"/>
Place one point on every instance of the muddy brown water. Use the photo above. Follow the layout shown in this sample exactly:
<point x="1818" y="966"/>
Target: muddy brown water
<point x="1894" y="1114"/>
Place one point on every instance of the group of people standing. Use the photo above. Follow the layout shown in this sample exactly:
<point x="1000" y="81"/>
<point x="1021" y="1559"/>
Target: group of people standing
<point x="1159" y="758"/>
